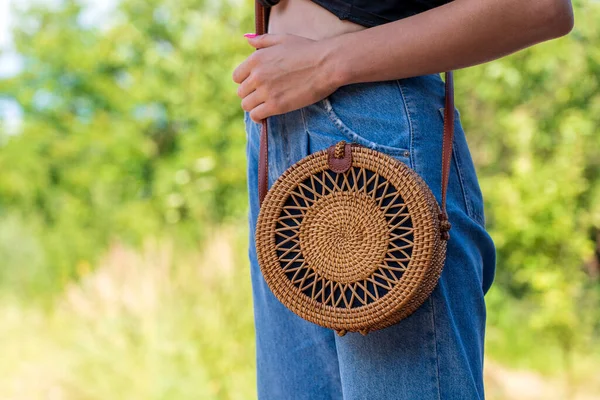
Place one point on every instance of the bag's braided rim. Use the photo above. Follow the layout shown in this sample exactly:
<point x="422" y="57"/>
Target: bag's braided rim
<point x="414" y="286"/>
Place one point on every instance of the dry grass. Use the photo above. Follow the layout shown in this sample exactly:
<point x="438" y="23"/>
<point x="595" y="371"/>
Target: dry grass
<point x="155" y="324"/>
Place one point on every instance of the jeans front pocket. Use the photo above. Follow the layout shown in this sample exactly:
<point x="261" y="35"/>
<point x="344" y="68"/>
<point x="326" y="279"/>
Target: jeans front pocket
<point x="373" y="114"/>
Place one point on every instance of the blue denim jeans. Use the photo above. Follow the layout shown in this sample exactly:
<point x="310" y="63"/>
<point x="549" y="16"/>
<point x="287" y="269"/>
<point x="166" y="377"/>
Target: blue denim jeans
<point x="437" y="352"/>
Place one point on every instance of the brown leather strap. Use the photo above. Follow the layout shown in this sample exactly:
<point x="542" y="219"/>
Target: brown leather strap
<point x="260" y="23"/>
<point x="260" y="27"/>
<point x="447" y="149"/>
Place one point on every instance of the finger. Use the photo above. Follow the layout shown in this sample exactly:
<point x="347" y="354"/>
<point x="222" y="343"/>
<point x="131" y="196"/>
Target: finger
<point x="252" y="101"/>
<point x="245" y="88"/>
<point x="265" y="40"/>
<point x="241" y="72"/>
<point x="260" y="112"/>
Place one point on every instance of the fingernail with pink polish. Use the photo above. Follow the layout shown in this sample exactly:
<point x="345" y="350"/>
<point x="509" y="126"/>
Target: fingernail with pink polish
<point x="250" y="35"/>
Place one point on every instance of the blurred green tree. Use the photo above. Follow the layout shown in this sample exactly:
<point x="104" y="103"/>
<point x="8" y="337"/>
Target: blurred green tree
<point x="131" y="127"/>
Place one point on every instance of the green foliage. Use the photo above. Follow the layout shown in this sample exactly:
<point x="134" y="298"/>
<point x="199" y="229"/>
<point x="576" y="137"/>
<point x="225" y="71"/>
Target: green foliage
<point x="130" y="130"/>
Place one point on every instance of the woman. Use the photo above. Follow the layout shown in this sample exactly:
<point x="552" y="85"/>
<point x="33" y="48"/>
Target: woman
<point x="365" y="71"/>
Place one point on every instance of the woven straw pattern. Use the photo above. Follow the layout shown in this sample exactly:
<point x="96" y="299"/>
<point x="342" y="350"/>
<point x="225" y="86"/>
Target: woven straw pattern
<point x="352" y="251"/>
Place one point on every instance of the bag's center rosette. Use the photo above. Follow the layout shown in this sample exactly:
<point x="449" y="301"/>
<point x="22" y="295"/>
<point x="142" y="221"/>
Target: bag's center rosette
<point x="356" y="230"/>
<point x="353" y="251"/>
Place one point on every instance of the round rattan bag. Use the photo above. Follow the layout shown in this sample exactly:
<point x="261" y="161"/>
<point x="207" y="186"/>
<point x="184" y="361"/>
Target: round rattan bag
<point x="351" y="238"/>
<point x="352" y="246"/>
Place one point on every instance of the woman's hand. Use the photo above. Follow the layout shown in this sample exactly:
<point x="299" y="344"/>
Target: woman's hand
<point x="286" y="73"/>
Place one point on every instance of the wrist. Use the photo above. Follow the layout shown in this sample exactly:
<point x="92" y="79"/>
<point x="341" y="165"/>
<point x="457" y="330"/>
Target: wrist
<point x="333" y="63"/>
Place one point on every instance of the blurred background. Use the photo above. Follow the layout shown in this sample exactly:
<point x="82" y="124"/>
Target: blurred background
<point x="123" y="204"/>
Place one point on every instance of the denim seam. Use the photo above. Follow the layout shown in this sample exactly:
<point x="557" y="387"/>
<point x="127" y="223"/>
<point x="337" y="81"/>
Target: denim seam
<point x="248" y="127"/>
<point x="437" y="360"/>
<point x="410" y="123"/>
<point x="463" y="350"/>
<point x="340" y="375"/>
<point x="303" y="117"/>
<point x="272" y="174"/>
<point x="458" y="163"/>
<point x="306" y="133"/>
<point x="469" y="204"/>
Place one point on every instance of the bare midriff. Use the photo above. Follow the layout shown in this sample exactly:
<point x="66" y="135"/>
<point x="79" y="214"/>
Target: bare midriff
<point x="308" y="19"/>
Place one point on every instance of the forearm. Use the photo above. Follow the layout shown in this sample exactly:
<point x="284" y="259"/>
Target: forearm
<point x="459" y="34"/>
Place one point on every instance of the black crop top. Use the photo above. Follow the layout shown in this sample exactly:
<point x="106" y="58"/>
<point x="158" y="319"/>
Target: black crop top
<point x="372" y="12"/>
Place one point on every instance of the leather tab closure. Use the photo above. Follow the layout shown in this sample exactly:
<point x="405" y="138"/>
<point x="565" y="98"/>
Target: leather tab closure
<point x="339" y="156"/>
